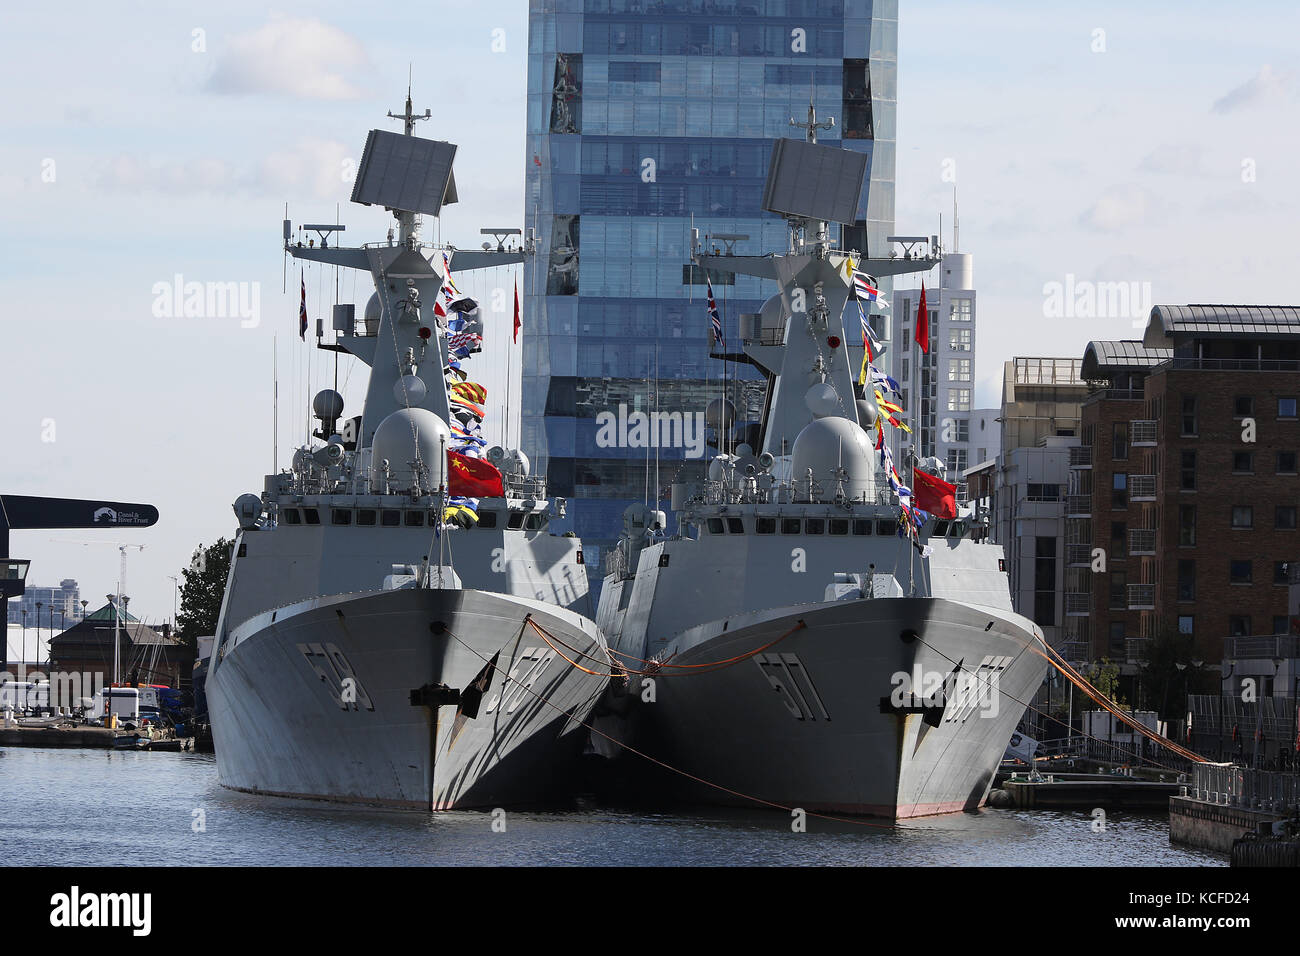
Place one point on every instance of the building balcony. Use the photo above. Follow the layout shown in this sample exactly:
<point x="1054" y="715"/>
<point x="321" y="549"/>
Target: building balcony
<point x="1142" y="541"/>
<point x="1276" y="647"/>
<point x="1081" y="456"/>
<point x="1141" y="597"/>
<point x="1227" y="365"/>
<point x="1078" y="506"/>
<point x="1142" y="433"/>
<point x="1078" y="604"/>
<point x="1142" y="487"/>
<point x="1135" y="649"/>
<point x="1076" y="652"/>
<point x="1078" y="555"/>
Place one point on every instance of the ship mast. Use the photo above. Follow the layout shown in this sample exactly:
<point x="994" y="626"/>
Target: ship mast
<point x="408" y="224"/>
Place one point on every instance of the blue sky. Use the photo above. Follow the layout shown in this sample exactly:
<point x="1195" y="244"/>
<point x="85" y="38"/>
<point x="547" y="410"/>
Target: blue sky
<point x="1160" y="151"/>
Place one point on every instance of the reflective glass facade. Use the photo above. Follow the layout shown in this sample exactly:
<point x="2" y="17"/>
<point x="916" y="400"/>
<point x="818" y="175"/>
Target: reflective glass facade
<point x="645" y="119"/>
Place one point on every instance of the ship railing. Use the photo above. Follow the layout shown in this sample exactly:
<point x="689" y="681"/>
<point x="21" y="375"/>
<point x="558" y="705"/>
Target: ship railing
<point x="525" y="486"/>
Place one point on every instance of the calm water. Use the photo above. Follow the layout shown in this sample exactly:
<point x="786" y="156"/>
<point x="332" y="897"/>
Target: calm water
<point x="84" y="807"/>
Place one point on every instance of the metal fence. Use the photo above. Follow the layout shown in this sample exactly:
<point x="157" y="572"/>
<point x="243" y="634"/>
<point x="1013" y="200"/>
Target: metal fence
<point x="1232" y="786"/>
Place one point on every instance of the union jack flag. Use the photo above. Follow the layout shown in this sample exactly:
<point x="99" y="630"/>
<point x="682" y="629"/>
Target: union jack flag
<point x="714" y="318"/>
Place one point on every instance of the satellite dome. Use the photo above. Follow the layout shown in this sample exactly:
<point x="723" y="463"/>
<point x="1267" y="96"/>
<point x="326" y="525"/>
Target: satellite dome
<point x="867" y="412"/>
<point x="719" y="414"/>
<point x="822" y="400"/>
<point x="373" y="310"/>
<point x="409" y="391"/>
<point x="833" y="443"/>
<point x="408" y="435"/>
<point x="328" y="404"/>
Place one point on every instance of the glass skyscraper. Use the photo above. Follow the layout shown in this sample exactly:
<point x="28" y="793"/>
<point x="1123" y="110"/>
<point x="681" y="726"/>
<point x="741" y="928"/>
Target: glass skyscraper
<point x="647" y="119"/>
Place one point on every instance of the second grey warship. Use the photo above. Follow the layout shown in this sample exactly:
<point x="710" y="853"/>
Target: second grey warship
<point x="808" y="637"/>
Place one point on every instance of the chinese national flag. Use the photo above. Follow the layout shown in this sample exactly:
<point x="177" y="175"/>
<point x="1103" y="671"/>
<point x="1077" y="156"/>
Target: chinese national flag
<point x="473" y="477"/>
<point x="923" y="323"/>
<point x="518" y="312"/>
<point x="933" y="494"/>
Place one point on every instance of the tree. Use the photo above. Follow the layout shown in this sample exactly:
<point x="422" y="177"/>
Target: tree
<point x="1105" y="677"/>
<point x="1168" y="671"/>
<point x="203" y="591"/>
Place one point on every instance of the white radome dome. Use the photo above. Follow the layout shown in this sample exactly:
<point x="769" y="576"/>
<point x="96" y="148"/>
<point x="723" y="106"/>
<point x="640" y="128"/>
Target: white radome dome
<point x="400" y="437"/>
<point x="832" y="443"/>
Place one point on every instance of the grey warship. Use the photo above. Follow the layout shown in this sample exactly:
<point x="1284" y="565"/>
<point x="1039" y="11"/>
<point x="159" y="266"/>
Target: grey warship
<point x="807" y="637"/>
<point x="382" y="642"/>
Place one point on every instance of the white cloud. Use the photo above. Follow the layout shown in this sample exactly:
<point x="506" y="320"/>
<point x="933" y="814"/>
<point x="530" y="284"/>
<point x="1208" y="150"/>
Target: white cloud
<point x="1119" y="208"/>
<point x="1265" y="85"/>
<point x="126" y="173"/>
<point x="295" y="57"/>
<point x="312" y="168"/>
<point x="1178" y="159"/>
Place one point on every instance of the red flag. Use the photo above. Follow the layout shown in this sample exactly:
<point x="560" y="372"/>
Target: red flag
<point x="519" y="321"/>
<point x="923" y="323"/>
<point x="933" y="494"/>
<point x="302" y="310"/>
<point x="473" y="477"/>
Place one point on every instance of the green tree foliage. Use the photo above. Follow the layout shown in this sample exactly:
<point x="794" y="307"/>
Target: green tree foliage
<point x="1105" y="677"/>
<point x="203" y="589"/>
<point x="1168" y="673"/>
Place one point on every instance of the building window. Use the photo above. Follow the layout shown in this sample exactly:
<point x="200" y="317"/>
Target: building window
<point x="1286" y="408"/>
<point x="1187" y="475"/>
<point x="1243" y="463"/>
<point x="1189" y="415"/>
<point x="961" y="310"/>
<point x="1187" y="525"/>
<point x="959" y="339"/>
<point x="566" y="94"/>
<point x="1243" y="406"/>
<point x="1284" y="518"/>
<point x="959" y="370"/>
<point x="1280" y="569"/>
<point x="1185" y="625"/>
<point x="1243" y="516"/>
<point x="1240" y="571"/>
<point x="1117" y="637"/>
<point x="1119" y="441"/>
<point x="1239" y="625"/>
<point x="958" y="400"/>
<point x="1119" y="490"/>
<point x="962" y="429"/>
<point x="956" y="461"/>
<point x="1045" y="581"/>
<point x="1118" y="536"/>
<point x="1118" y="591"/>
<point x="1286" y="463"/>
<point x="1045" y="492"/>
<point x="1280" y="624"/>
<point x="1187" y="580"/>
<point x="907" y="364"/>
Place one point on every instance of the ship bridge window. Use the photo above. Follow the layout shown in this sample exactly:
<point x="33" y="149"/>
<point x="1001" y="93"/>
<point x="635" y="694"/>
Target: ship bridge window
<point x="415" y="519"/>
<point x="940" y="529"/>
<point x="390" y="518"/>
<point x="957" y="529"/>
<point x="862" y="526"/>
<point x="715" y="525"/>
<point x="535" y="521"/>
<point x="291" y="516"/>
<point x="340" y="516"/>
<point x="516" y="520"/>
<point x="888" y="527"/>
<point x="312" y="515"/>
<point x="366" y="516"/>
<point x="487" y="519"/>
<point x="839" y="526"/>
<point x="790" y="525"/>
<point x="735" y="526"/>
<point x="816" y="525"/>
<point x="765" y="526"/>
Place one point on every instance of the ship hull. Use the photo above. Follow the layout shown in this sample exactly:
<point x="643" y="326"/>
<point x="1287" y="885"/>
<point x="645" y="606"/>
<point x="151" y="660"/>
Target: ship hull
<point x="821" y="719"/>
<point x="314" y="700"/>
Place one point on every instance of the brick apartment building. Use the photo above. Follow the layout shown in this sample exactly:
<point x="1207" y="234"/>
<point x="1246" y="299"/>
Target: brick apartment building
<point x="1187" y="478"/>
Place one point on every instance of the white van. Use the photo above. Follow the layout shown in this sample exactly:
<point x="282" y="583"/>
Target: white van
<point x="125" y="702"/>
